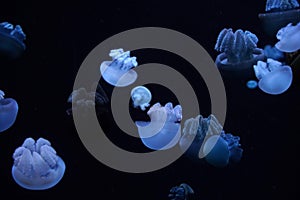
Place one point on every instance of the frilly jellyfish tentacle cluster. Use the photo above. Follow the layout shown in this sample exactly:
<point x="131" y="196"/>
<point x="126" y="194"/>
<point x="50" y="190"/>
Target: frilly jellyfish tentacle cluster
<point x="8" y="112"/>
<point x="36" y="165"/>
<point x="289" y="38"/>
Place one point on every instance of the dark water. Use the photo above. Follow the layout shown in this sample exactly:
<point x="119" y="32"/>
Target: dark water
<point x="60" y="36"/>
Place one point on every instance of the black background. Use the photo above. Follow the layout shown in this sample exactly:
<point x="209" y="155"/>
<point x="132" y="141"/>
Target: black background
<point x="60" y="36"/>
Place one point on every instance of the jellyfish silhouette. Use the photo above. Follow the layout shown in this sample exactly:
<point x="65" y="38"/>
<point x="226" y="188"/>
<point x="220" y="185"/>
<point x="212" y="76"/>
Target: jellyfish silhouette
<point x="164" y="130"/>
<point x="8" y="112"/>
<point x="181" y="192"/>
<point x="119" y="72"/>
<point x="274" y="77"/>
<point x="289" y="38"/>
<point x="11" y="40"/>
<point x="279" y="13"/>
<point x="36" y="165"/>
<point x="251" y="84"/>
<point x="141" y="97"/>
<point x="205" y="138"/>
<point x="239" y="52"/>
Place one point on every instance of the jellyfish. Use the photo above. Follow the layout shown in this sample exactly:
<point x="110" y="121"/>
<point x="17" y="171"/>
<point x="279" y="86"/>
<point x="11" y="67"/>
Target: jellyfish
<point x="141" y="96"/>
<point x="36" y="165"/>
<point x="164" y="130"/>
<point x="11" y="40"/>
<point x="204" y="140"/>
<point x="251" y="84"/>
<point x="119" y="72"/>
<point x="8" y="112"/>
<point x="273" y="52"/>
<point x="279" y="13"/>
<point x="238" y="53"/>
<point x="181" y="192"/>
<point x="274" y="77"/>
<point x="289" y="38"/>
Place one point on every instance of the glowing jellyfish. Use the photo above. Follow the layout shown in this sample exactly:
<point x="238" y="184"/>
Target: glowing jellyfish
<point x="251" y="84"/>
<point x="119" y="72"/>
<point x="273" y="52"/>
<point x="205" y="138"/>
<point x="238" y="52"/>
<point x="11" y="40"/>
<point x="164" y="130"/>
<point x="289" y="38"/>
<point x="274" y="77"/>
<point x="141" y="97"/>
<point x="36" y="165"/>
<point x="181" y="192"/>
<point x="8" y="112"/>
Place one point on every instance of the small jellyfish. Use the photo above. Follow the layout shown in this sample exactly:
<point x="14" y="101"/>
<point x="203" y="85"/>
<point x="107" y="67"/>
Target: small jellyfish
<point x="164" y="130"/>
<point x="273" y="52"/>
<point x="36" y="165"/>
<point x="274" y="77"/>
<point x="11" y="40"/>
<point x="251" y="84"/>
<point x="119" y="72"/>
<point x="181" y="192"/>
<point x="141" y="96"/>
<point x="289" y="38"/>
<point x="8" y="112"/>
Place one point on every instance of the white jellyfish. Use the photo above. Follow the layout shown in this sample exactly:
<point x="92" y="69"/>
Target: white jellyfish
<point x="164" y="130"/>
<point x="141" y="96"/>
<point x="289" y="38"/>
<point x="274" y="77"/>
<point x="119" y="72"/>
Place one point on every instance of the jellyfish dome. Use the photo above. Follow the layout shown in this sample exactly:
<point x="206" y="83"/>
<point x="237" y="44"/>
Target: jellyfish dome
<point x="141" y="97"/>
<point x="8" y="112"/>
<point x="181" y="192"/>
<point x="274" y="77"/>
<point x="289" y="38"/>
<point x="164" y="130"/>
<point x="36" y="165"/>
<point x="119" y="72"/>
<point x="11" y="40"/>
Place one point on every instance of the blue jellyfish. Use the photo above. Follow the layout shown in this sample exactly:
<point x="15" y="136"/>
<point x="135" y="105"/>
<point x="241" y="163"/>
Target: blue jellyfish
<point x="274" y="77"/>
<point x="119" y="72"/>
<point x="164" y="130"/>
<point x="273" y="52"/>
<point x="8" y="112"/>
<point x="11" y="40"/>
<point x="279" y="13"/>
<point x="141" y="96"/>
<point x="251" y="84"/>
<point x="205" y="138"/>
<point x="238" y="53"/>
<point x="36" y="165"/>
<point x="181" y="192"/>
<point x="289" y="38"/>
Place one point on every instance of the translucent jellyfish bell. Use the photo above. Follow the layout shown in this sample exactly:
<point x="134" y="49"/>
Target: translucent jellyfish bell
<point x="119" y="72"/>
<point x="164" y="130"/>
<point x="36" y="165"/>
<point x="8" y="112"/>
<point x="11" y="40"/>
<point x="274" y="77"/>
<point x="289" y="38"/>
<point x="141" y="96"/>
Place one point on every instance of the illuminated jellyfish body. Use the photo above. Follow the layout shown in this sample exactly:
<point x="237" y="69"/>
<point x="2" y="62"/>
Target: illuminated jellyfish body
<point x="181" y="192"/>
<point x="273" y="52"/>
<point x="289" y="38"/>
<point x="164" y="130"/>
<point x="238" y="53"/>
<point x="274" y="77"/>
<point x="36" y="165"/>
<point x="205" y="138"/>
<point x="11" y="40"/>
<point x="119" y="72"/>
<point x="279" y="13"/>
<point x="8" y="112"/>
<point x="85" y="101"/>
<point x="141" y="97"/>
<point x="251" y="84"/>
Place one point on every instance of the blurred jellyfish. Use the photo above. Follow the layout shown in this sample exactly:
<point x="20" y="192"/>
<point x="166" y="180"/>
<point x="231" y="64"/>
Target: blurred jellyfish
<point x="141" y="97"/>
<point x="274" y="77"/>
<point x="8" y="112"/>
<point x="252" y="84"/>
<point x="205" y="138"/>
<point x="273" y="52"/>
<point x="164" y="130"/>
<point x="36" y="165"/>
<point x="289" y="38"/>
<point x="11" y="40"/>
<point x="119" y="72"/>
<point x="181" y="192"/>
